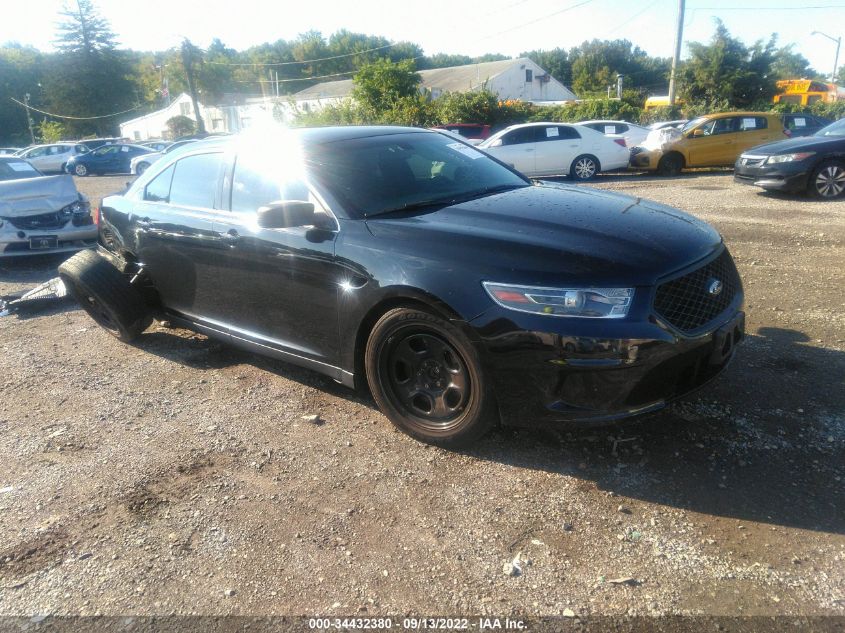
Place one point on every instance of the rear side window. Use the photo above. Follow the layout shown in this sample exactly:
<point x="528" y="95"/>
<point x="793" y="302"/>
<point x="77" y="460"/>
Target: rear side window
<point x="254" y="186"/>
<point x="751" y="123"/>
<point x="158" y="189"/>
<point x="567" y="132"/>
<point x="195" y="181"/>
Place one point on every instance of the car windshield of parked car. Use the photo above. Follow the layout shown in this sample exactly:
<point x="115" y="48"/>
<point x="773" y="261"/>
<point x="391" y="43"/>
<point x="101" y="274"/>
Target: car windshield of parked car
<point x="394" y="172"/>
<point x="834" y="129"/>
<point x="105" y="149"/>
<point x="17" y="170"/>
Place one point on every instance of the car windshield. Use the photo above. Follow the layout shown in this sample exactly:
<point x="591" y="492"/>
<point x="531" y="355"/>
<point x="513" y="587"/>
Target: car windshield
<point x="834" y="129"/>
<point x="16" y="170"/>
<point x="693" y="124"/>
<point x="394" y="172"/>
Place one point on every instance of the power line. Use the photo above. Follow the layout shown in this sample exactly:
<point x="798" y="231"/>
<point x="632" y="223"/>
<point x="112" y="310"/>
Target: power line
<point x="74" y="118"/>
<point x="540" y="19"/>
<point x="307" y="61"/>
<point x="632" y="18"/>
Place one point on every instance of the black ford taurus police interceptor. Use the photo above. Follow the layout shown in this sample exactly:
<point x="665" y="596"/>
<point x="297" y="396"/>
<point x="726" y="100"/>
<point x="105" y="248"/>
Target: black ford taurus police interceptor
<point x="815" y="164"/>
<point x="411" y="262"/>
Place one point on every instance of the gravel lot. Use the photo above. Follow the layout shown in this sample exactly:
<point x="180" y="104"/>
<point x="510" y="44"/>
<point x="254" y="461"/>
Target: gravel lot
<point x="180" y="476"/>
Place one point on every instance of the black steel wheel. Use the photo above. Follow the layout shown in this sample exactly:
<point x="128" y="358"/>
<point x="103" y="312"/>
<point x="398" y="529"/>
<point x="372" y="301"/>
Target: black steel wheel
<point x="671" y="164"/>
<point x="828" y="181"/>
<point x="584" y="167"/>
<point x="426" y="376"/>
<point x="106" y="295"/>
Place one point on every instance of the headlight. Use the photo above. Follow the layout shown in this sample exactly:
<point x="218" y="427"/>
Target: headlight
<point x="597" y="303"/>
<point x="788" y="158"/>
<point x="76" y="208"/>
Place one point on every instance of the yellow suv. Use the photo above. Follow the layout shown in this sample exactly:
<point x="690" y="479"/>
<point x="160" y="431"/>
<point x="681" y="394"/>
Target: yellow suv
<point x="709" y="141"/>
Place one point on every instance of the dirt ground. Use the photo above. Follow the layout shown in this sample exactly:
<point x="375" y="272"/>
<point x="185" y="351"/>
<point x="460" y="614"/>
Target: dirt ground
<point x="180" y="476"/>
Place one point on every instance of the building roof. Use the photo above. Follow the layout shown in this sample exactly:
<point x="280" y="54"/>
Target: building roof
<point x="451" y="79"/>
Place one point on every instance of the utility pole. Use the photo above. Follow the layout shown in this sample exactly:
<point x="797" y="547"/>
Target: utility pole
<point x="619" y="79"/>
<point x="838" y="41"/>
<point x="188" y="61"/>
<point x="29" y="118"/>
<point x="676" y="59"/>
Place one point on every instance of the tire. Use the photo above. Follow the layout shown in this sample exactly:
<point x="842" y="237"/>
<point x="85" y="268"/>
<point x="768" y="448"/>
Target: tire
<point x="827" y="182"/>
<point x="427" y="378"/>
<point x="584" y="168"/>
<point x="140" y="168"/>
<point x="64" y="168"/>
<point x="80" y="170"/>
<point x="671" y="164"/>
<point x="106" y="295"/>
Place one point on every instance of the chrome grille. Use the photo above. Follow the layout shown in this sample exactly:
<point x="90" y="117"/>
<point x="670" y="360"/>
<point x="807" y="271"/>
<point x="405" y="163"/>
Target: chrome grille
<point x="687" y="303"/>
<point x="54" y="220"/>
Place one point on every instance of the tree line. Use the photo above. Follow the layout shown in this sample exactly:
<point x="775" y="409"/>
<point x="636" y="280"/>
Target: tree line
<point x="90" y="76"/>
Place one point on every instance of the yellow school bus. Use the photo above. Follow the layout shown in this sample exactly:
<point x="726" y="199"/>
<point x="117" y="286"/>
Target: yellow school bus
<point x="807" y="91"/>
<point x="661" y="102"/>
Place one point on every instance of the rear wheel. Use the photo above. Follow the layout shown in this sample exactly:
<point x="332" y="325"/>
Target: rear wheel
<point x="427" y="378"/>
<point x="140" y="168"/>
<point x="670" y="164"/>
<point x="584" y="167"/>
<point x="828" y="181"/>
<point x="106" y="295"/>
<point x="80" y="170"/>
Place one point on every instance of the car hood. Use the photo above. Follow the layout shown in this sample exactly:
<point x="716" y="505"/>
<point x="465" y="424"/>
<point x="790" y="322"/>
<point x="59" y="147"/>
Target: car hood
<point x="550" y="233"/>
<point x="32" y="196"/>
<point x="798" y="144"/>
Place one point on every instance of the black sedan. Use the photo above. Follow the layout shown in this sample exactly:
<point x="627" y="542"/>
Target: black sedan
<point x="815" y="164"/>
<point x="457" y="290"/>
<point x="107" y="159"/>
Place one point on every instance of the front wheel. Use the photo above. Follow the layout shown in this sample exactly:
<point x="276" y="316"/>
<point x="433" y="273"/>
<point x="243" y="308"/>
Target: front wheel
<point x="670" y="164"/>
<point x="80" y="170"/>
<point x="140" y="168"/>
<point x="828" y="181"/>
<point x="427" y="378"/>
<point x="584" y="168"/>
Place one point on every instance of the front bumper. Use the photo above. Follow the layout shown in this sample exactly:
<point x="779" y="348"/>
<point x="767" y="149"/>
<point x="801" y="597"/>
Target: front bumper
<point x="644" y="159"/>
<point x="787" y="177"/>
<point x="557" y="369"/>
<point x="16" y="242"/>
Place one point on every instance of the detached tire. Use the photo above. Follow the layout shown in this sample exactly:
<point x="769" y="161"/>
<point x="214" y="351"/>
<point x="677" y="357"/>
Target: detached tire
<point x="427" y="378"/>
<point x="670" y="164"/>
<point x="106" y="295"/>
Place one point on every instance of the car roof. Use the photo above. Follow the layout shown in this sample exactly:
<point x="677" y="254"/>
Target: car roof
<point x="722" y="115"/>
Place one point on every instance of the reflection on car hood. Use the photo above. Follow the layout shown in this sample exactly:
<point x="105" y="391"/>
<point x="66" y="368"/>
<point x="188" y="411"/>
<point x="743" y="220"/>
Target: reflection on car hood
<point x="554" y="232"/>
<point x="31" y="196"/>
<point x="800" y="144"/>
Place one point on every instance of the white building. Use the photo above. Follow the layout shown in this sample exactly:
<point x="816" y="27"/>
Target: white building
<point x="510" y="79"/>
<point x="222" y="118"/>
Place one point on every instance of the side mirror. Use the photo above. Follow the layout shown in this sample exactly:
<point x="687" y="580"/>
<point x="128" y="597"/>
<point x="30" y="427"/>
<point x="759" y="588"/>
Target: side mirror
<point x="496" y="143"/>
<point x="286" y="214"/>
<point x="697" y="132"/>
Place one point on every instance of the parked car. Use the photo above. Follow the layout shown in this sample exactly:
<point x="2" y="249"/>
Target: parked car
<point x="54" y="157"/>
<point x="106" y="159"/>
<point x="94" y="143"/>
<point x="452" y="286"/>
<point x="632" y="133"/>
<point x="709" y="141"/>
<point x="815" y="164"/>
<point x="7" y="151"/>
<point x="803" y="124"/>
<point x="556" y="149"/>
<point x="659" y="125"/>
<point x="41" y="214"/>
<point x="472" y="132"/>
<point x="156" y="146"/>
<point x="139" y="164"/>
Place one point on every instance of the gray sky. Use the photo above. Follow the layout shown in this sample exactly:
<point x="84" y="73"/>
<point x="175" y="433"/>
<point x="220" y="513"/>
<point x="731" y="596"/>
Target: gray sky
<point x="470" y="27"/>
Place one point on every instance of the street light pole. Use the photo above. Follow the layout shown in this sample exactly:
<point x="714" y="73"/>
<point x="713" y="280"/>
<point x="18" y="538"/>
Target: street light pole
<point x="838" y="41"/>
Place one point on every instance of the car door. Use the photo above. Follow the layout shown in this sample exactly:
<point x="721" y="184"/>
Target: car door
<point x="753" y="131"/>
<point x="714" y="144"/>
<point x="556" y="146"/>
<point x="517" y="149"/>
<point x="175" y="240"/>
<point x="278" y="288"/>
<point x="38" y="158"/>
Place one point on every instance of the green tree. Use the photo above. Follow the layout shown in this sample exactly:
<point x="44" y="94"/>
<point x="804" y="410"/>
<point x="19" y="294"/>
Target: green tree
<point x="21" y="73"/>
<point x="379" y="86"/>
<point x="52" y="131"/>
<point x="556" y="62"/>
<point x="726" y="73"/>
<point x="89" y="77"/>
<point x="180" y="125"/>
<point x="787" y="64"/>
<point x="597" y="64"/>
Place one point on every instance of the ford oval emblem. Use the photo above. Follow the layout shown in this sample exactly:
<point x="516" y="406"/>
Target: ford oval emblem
<point x="714" y="287"/>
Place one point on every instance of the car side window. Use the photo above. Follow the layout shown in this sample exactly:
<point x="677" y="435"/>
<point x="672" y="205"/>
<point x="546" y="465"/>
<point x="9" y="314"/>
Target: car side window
<point x="195" y="181"/>
<point x="519" y="136"/>
<point x="254" y="187"/>
<point x="36" y="153"/>
<point x="567" y="132"/>
<point x="158" y="189"/>
<point x="751" y="123"/>
<point x="546" y="133"/>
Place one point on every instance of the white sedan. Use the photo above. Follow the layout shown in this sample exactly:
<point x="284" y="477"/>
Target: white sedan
<point x="632" y="133"/>
<point x="556" y="149"/>
<point x="139" y="164"/>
